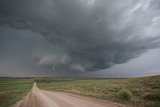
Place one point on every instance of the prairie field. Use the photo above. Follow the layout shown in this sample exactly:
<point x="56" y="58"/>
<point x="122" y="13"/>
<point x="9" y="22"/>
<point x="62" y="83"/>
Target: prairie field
<point x="136" y="92"/>
<point x="13" y="89"/>
<point x="142" y="92"/>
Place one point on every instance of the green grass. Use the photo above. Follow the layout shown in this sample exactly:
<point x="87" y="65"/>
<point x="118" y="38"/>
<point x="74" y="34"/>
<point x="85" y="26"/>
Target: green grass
<point x="143" y="92"/>
<point x="125" y="94"/>
<point x="13" y="89"/>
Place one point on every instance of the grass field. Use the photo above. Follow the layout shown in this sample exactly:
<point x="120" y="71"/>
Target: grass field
<point x="13" y="89"/>
<point x="138" y="92"/>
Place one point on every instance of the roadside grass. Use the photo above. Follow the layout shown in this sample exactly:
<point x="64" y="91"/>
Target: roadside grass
<point x="13" y="89"/>
<point x="124" y="94"/>
<point x="138" y="92"/>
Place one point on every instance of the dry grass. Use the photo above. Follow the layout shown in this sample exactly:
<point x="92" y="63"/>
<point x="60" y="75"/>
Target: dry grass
<point x="108" y="89"/>
<point x="13" y="89"/>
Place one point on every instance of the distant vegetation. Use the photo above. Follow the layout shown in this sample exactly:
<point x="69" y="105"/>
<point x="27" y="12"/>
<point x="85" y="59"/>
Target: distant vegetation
<point x="13" y="89"/>
<point x="142" y="92"/>
<point x="138" y="92"/>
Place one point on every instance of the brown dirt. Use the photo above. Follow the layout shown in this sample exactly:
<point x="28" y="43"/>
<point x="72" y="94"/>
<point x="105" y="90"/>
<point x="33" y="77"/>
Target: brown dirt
<point x="43" y="98"/>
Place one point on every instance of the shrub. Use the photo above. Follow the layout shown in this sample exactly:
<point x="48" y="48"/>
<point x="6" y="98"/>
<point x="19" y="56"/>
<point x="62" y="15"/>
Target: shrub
<point x="152" y="96"/>
<point x="124" y="94"/>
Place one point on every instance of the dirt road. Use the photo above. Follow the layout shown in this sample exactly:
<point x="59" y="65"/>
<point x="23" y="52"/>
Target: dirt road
<point x="42" y="98"/>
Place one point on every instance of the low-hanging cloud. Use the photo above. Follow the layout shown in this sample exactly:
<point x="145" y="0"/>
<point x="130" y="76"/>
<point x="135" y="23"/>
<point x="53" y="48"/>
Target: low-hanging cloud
<point x="77" y="67"/>
<point x="53" y="60"/>
<point x="89" y="35"/>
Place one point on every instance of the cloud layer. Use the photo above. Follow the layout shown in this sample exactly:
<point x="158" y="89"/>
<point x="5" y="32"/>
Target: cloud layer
<point x="84" y="35"/>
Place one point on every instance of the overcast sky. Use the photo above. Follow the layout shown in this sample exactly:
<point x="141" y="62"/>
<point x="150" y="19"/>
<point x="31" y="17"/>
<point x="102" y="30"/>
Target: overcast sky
<point x="79" y="37"/>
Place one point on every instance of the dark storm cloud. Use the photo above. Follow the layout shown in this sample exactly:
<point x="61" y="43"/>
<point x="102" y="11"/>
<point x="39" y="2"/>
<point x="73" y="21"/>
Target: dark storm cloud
<point x="86" y="35"/>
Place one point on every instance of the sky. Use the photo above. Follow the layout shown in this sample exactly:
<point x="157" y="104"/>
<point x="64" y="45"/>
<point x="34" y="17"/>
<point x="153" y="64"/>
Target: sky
<point x="100" y="38"/>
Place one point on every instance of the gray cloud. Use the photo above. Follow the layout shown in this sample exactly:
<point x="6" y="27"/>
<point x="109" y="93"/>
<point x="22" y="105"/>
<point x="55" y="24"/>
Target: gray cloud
<point x="53" y="60"/>
<point x="84" y="35"/>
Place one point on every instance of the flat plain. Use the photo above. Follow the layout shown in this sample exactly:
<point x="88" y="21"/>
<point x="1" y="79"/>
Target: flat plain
<point x="13" y="89"/>
<point x="136" y="92"/>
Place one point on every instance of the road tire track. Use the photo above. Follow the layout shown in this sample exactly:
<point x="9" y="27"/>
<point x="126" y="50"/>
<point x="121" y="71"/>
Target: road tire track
<point x="43" y="98"/>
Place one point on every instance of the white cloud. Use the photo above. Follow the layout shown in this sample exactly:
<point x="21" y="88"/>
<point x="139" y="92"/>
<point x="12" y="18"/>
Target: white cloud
<point x="52" y="59"/>
<point x="77" y="67"/>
